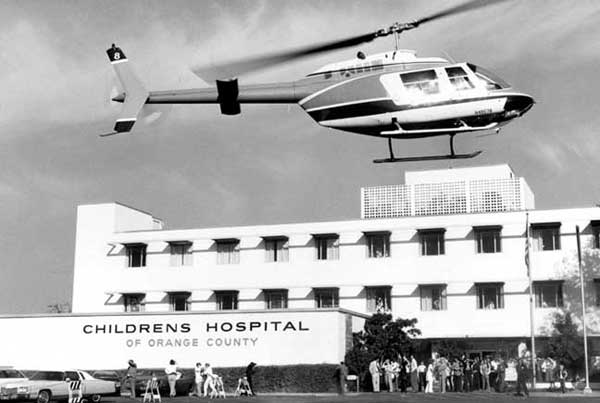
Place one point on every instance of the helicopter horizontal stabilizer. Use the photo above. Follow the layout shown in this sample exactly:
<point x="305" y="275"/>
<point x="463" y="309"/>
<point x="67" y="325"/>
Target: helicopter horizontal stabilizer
<point x="135" y="95"/>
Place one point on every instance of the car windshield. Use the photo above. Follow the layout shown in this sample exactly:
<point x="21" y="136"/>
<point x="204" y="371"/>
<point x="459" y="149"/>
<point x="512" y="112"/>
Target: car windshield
<point x="10" y="373"/>
<point x="491" y="80"/>
<point x="48" y="376"/>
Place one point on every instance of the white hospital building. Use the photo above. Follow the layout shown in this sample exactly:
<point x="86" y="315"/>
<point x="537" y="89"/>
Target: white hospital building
<point x="447" y="247"/>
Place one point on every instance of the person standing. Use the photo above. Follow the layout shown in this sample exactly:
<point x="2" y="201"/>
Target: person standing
<point x="340" y="374"/>
<point x="443" y="371"/>
<point x="414" y="377"/>
<point x="130" y="378"/>
<point x="485" y="374"/>
<point x="429" y="378"/>
<point x="521" y="379"/>
<point x="422" y="373"/>
<point x="171" y="371"/>
<point x="198" y="379"/>
<point x="249" y="373"/>
<point x="208" y="381"/>
<point x="374" y="369"/>
<point x="562" y="377"/>
<point x="476" y="374"/>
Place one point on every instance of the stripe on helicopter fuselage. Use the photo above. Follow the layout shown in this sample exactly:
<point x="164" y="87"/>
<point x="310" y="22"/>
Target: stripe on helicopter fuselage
<point x="382" y="106"/>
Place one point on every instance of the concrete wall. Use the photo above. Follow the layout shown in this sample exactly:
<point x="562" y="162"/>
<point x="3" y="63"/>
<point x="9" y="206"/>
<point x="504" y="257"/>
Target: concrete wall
<point x="222" y="339"/>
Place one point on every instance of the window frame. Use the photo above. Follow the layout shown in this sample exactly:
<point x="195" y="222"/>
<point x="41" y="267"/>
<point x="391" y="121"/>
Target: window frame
<point x="537" y="236"/>
<point x="280" y="254"/>
<point x="220" y="295"/>
<point x="384" y="237"/>
<point x="595" y="225"/>
<point x="480" y="295"/>
<point x="174" y="296"/>
<point x="184" y="257"/>
<point x="140" y="248"/>
<point x="332" y="292"/>
<point x="228" y="256"/>
<point x="322" y="246"/>
<point x="139" y="297"/>
<point x="443" y="296"/>
<point x="422" y="87"/>
<point x="480" y="231"/>
<point x="372" y="297"/>
<point x="424" y="236"/>
<point x="597" y="287"/>
<point x="270" y="293"/>
<point x="538" y="292"/>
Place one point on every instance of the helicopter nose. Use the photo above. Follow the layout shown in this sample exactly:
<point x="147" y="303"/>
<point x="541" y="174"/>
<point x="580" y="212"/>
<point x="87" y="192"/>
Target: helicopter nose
<point x="516" y="105"/>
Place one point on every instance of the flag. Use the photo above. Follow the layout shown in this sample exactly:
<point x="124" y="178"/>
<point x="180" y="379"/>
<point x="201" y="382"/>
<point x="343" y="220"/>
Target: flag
<point x="527" y="246"/>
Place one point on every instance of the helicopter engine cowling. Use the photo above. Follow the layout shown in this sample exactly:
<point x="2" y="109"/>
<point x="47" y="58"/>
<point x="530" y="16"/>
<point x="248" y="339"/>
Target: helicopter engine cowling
<point x="228" y="96"/>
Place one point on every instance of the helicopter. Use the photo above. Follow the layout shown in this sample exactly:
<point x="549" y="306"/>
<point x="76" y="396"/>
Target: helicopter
<point x="391" y="95"/>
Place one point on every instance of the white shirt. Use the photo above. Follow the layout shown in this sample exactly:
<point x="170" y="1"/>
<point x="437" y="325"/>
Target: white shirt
<point x="198" y="373"/>
<point x="208" y="371"/>
<point x="171" y="369"/>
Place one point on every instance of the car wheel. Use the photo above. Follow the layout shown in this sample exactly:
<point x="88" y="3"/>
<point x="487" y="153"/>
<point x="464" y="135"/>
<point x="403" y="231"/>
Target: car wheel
<point x="96" y="398"/>
<point x="44" y="396"/>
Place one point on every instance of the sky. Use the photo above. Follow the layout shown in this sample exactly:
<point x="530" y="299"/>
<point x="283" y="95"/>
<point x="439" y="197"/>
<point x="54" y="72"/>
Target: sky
<point x="194" y="167"/>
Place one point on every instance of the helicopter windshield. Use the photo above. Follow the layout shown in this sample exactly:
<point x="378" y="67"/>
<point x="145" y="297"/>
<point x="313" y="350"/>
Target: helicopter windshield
<point x="491" y="80"/>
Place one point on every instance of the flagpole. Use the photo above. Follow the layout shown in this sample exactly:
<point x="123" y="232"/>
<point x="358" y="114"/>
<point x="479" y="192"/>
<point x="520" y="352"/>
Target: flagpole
<point x="531" y="305"/>
<point x="587" y="388"/>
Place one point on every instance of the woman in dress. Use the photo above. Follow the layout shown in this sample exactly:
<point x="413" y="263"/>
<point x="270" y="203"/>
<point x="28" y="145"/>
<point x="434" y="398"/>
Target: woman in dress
<point x="429" y="378"/>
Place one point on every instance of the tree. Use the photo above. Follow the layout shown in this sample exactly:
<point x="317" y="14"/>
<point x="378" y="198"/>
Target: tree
<point x="380" y="338"/>
<point x="565" y="344"/>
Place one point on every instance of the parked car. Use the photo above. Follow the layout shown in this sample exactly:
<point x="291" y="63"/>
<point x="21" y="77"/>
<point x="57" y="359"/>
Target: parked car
<point x="44" y="386"/>
<point x="9" y="375"/>
<point x="108" y="375"/>
<point x="183" y="386"/>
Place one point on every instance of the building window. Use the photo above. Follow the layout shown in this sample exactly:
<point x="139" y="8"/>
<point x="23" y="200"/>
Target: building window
<point x="228" y="251"/>
<point x="596" y="231"/>
<point x="379" y="299"/>
<point x="545" y="236"/>
<point x="276" y="299"/>
<point x="433" y="297"/>
<point x="327" y="297"/>
<point x="179" y="301"/>
<point x="490" y="296"/>
<point x="548" y="294"/>
<point x="488" y="239"/>
<point x="227" y="300"/>
<point x="328" y="246"/>
<point x="277" y="249"/>
<point x="136" y="255"/>
<point x="597" y="286"/>
<point x="432" y="242"/>
<point x="181" y="253"/>
<point x="134" y="302"/>
<point x="378" y="244"/>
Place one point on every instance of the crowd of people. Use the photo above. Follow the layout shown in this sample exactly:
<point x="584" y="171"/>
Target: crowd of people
<point x="461" y="374"/>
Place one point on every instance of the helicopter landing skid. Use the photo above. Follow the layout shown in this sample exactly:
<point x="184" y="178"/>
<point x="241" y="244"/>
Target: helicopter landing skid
<point x="451" y="156"/>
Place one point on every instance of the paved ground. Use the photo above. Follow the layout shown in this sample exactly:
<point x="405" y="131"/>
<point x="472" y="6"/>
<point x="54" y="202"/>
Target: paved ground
<point x="385" y="397"/>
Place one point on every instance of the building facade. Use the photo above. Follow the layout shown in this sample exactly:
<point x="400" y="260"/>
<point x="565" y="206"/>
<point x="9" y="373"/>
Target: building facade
<point x="459" y="270"/>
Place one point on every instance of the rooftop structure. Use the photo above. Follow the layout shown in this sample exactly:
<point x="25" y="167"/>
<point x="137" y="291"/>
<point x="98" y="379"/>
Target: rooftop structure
<point x="449" y="191"/>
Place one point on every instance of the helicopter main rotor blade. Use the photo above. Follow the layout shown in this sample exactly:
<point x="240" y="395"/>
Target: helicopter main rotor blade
<point x="461" y="8"/>
<point x="236" y="67"/>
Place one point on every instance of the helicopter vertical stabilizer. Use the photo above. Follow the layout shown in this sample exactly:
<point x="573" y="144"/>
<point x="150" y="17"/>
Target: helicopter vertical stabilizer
<point x="135" y="95"/>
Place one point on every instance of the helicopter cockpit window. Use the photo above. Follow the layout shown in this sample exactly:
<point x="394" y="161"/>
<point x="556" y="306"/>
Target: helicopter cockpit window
<point x="492" y="81"/>
<point x="421" y="82"/>
<point x="459" y="79"/>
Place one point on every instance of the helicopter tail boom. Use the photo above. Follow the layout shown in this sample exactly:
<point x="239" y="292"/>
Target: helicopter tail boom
<point x="135" y="95"/>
